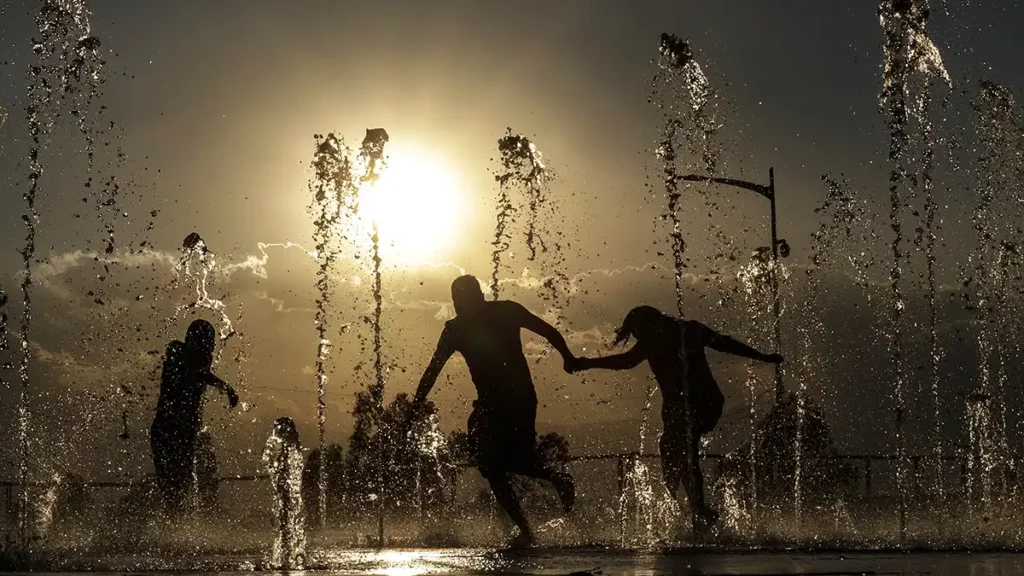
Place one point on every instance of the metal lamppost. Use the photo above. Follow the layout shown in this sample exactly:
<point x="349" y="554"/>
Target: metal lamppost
<point x="778" y="248"/>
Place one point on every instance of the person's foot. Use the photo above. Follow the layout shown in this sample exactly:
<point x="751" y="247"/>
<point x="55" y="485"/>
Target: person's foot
<point x="522" y="540"/>
<point x="566" y="491"/>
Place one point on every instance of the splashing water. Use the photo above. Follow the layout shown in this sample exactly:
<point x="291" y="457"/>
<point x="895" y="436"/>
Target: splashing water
<point x="928" y="232"/>
<point x="502" y="237"/>
<point x="735" y="513"/>
<point x="371" y="156"/>
<point x="754" y="281"/>
<point x="432" y="446"/>
<point x="907" y="50"/>
<point x="65" y="53"/>
<point x="926" y="61"/>
<point x="5" y="344"/>
<point x="522" y="166"/>
<point x="282" y="457"/>
<point x="682" y="92"/>
<point x="652" y="388"/>
<point x="647" y="512"/>
<point x="689" y="99"/>
<point x="333" y="199"/>
<point x="43" y="503"/>
<point x="196" y="264"/>
<point x="843" y="227"/>
<point x="523" y="169"/>
<point x="1000" y="134"/>
<point x="338" y="177"/>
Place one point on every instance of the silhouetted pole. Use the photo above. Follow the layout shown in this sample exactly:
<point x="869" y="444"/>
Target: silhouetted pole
<point x="769" y="193"/>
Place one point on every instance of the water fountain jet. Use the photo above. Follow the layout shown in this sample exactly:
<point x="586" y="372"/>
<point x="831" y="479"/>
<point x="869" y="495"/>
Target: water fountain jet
<point x="907" y="51"/>
<point x="282" y="457"/>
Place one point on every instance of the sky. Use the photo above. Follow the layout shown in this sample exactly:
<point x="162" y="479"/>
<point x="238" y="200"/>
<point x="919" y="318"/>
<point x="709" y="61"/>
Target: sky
<point x="215" y="107"/>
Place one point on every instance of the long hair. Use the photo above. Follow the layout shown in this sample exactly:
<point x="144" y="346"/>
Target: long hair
<point x="640" y="322"/>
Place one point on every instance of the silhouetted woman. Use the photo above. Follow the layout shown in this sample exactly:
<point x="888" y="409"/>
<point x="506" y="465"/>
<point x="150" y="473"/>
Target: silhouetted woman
<point x="174" y="434"/>
<point x="674" y="349"/>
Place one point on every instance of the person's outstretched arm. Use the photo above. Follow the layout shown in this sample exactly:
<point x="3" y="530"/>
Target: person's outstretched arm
<point x="538" y="326"/>
<point x="730" y="345"/>
<point x="445" y="349"/>
<point x="624" y="361"/>
<point x="215" y="382"/>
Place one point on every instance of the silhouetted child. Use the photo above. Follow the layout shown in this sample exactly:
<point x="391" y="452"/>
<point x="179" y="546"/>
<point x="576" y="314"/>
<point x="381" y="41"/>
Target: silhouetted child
<point x="174" y="434"/>
<point x="691" y="399"/>
<point x="283" y="458"/>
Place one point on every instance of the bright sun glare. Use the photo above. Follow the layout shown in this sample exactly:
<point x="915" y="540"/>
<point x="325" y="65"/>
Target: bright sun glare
<point x="415" y="203"/>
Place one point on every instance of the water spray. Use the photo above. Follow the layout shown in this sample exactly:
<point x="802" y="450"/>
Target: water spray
<point x="907" y="50"/>
<point x="64" y="52"/>
<point x="282" y="458"/>
<point x="372" y="157"/>
<point x="522" y="169"/>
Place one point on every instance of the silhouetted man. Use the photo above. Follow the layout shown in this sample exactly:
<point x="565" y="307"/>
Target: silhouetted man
<point x="174" y="434"/>
<point x="502" y="426"/>
<point x="691" y="399"/>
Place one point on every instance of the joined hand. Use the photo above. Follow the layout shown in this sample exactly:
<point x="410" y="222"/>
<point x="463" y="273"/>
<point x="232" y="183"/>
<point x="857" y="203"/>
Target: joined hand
<point x="573" y="364"/>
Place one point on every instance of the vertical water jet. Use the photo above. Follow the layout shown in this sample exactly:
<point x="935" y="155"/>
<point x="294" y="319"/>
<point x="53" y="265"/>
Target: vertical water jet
<point x="282" y="458"/>
<point x="372" y="156"/>
<point x="332" y="200"/>
<point x="1000" y="131"/>
<point x="683" y="93"/>
<point x="837" y="236"/>
<point x="907" y="50"/>
<point x="197" y="263"/>
<point x="63" y="51"/>
<point x="523" y="170"/>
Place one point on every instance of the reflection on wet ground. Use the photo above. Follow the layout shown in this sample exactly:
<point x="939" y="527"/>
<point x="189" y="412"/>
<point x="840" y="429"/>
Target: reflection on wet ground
<point x="581" y="562"/>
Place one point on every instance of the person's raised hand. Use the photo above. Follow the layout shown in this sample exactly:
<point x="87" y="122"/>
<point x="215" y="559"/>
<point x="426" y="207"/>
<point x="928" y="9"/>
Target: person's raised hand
<point x="232" y="397"/>
<point x="572" y="364"/>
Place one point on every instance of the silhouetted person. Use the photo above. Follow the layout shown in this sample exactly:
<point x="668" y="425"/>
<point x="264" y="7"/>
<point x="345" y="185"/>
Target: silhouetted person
<point x="502" y="427"/>
<point x="174" y="434"/>
<point x="674" y="350"/>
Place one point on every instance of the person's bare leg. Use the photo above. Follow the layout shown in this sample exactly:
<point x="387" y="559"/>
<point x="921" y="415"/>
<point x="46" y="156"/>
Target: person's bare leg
<point x="693" y="480"/>
<point x="673" y="471"/>
<point x="501" y="486"/>
<point x="562" y="481"/>
<point x="681" y="465"/>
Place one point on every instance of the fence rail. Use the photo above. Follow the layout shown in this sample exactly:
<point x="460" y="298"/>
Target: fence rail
<point x="623" y="458"/>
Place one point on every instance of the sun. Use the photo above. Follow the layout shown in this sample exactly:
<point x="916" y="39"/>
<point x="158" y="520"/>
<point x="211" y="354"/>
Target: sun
<point x="415" y="204"/>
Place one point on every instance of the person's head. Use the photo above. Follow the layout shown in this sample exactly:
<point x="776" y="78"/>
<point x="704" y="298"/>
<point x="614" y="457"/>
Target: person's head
<point x="642" y="323"/>
<point x="467" y="295"/>
<point x="284" y="428"/>
<point x="201" y="336"/>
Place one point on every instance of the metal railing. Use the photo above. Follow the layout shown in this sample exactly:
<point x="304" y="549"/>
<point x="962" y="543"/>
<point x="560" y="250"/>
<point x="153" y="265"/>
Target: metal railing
<point x="868" y="464"/>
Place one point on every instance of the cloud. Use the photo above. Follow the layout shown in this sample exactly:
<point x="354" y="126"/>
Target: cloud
<point x="258" y="264"/>
<point x="279" y="305"/>
<point x="45" y="272"/>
